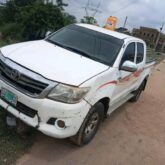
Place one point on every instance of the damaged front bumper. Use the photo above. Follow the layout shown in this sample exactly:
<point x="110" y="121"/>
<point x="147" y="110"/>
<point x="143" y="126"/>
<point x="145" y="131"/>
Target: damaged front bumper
<point x="46" y="115"/>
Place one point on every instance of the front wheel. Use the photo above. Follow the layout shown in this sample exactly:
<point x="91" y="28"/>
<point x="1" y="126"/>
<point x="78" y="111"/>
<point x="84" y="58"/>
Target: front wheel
<point x="90" y="125"/>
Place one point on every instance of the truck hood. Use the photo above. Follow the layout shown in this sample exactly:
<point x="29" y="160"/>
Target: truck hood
<point x="53" y="62"/>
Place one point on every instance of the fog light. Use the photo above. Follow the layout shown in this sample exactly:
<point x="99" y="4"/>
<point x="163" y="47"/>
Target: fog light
<point x="61" y="124"/>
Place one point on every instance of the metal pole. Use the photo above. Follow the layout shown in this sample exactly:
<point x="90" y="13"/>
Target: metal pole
<point x="86" y="9"/>
<point x="158" y="38"/>
<point x="97" y="9"/>
<point x="125" y="22"/>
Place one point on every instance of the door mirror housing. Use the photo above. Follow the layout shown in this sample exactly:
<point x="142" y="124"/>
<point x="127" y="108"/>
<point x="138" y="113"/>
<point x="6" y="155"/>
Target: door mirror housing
<point x="129" y="66"/>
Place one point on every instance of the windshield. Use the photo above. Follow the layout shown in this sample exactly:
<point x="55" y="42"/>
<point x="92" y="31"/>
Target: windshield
<point x="91" y="44"/>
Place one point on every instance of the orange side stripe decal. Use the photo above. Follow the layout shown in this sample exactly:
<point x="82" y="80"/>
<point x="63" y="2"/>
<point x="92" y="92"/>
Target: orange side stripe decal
<point x="127" y="78"/>
<point x="108" y="83"/>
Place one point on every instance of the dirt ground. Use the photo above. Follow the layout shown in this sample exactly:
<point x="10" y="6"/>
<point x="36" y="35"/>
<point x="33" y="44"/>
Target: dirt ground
<point x="133" y="135"/>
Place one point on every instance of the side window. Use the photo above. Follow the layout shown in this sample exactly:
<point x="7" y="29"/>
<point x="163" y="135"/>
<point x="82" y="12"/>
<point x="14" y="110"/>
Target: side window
<point x="140" y="53"/>
<point x="129" y="54"/>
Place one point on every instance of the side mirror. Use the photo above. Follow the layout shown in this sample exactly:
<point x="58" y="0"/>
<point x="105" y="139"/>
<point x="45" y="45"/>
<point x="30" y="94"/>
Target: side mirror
<point x="129" y="66"/>
<point x="47" y="33"/>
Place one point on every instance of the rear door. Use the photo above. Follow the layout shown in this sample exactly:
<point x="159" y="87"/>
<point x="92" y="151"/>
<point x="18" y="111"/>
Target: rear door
<point x="140" y="61"/>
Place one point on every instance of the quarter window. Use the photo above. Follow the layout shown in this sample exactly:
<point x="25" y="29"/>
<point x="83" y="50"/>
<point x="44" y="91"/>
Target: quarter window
<point x="140" y="53"/>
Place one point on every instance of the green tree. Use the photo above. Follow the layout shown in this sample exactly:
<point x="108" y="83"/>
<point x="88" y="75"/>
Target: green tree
<point x="89" y="20"/>
<point x="69" y="19"/>
<point x="40" y="18"/>
<point x="26" y="2"/>
<point x="31" y="19"/>
<point x="1" y="21"/>
<point x="61" y="4"/>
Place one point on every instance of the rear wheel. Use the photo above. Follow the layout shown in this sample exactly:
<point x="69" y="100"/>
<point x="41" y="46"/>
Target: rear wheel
<point x="90" y="125"/>
<point x="137" y="93"/>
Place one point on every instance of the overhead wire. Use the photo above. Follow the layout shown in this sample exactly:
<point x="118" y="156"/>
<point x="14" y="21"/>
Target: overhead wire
<point x="99" y="4"/>
<point x="124" y="7"/>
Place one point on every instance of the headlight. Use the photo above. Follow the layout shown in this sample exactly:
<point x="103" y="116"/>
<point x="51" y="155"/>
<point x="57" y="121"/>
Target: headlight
<point x="68" y="94"/>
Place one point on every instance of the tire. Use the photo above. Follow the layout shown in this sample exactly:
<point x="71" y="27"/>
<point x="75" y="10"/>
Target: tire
<point x="137" y="93"/>
<point x="90" y="125"/>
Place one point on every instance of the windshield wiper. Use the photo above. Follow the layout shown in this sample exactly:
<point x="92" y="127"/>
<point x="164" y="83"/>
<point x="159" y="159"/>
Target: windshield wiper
<point x="80" y="52"/>
<point x="55" y="43"/>
<point x="77" y="51"/>
<point x="68" y="48"/>
<point x="72" y="49"/>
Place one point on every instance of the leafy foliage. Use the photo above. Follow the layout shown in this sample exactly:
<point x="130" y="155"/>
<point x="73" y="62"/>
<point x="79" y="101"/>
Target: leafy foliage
<point x="60" y="4"/>
<point x="31" y="19"/>
<point x="89" y="20"/>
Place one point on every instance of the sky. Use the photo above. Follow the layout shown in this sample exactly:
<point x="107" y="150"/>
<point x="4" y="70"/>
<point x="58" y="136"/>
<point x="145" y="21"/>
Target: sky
<point x="149" y="13"/>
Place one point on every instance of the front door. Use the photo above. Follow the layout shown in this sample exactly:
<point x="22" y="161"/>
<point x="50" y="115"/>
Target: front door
<point x="125" y="79"/>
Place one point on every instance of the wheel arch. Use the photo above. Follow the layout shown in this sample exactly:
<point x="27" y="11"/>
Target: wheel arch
<point x="105" y="101"/>
<point x="145" y="82"/>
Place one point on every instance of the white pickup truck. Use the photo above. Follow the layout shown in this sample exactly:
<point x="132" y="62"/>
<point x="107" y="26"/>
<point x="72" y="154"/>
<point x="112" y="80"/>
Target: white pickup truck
<point x="66" y="84"/>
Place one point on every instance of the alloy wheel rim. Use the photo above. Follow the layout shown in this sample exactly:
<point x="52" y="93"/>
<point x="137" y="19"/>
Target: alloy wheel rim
<point x="92" y="124"/>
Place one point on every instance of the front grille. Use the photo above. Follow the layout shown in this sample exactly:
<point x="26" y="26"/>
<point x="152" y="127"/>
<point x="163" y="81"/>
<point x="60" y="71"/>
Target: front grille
<point x="24" y="83"/>
<point x="26" y="110"/>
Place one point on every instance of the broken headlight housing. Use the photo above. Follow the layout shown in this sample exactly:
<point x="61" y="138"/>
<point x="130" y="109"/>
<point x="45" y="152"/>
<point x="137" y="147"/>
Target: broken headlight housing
<point x="68" y="94"/>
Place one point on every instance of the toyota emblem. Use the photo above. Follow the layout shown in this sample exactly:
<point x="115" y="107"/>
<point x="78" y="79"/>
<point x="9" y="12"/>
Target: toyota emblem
<point x="15" y="74"/>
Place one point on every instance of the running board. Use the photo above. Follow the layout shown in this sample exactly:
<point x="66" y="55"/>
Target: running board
<point x="119" y="103"/>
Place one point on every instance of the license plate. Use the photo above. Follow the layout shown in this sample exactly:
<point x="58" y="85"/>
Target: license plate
<point x="9" y="96"/>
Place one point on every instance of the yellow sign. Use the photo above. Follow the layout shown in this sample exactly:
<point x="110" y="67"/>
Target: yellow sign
<point x="111" y="23"/>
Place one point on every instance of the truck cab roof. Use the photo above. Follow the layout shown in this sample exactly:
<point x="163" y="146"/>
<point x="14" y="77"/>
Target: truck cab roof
<point x="108" y="32"/>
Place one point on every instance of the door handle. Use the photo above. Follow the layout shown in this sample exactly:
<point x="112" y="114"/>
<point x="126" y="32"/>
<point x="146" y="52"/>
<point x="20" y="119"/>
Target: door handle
<point x="119" y="78"/>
